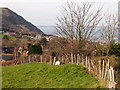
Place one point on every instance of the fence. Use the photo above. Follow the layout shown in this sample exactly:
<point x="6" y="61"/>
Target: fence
<point x="99" y="69"/>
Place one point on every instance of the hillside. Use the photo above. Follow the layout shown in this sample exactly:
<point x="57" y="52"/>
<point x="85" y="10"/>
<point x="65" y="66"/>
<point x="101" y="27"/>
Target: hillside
<point x="12" y="22"/>
<point x="37" y="75"/>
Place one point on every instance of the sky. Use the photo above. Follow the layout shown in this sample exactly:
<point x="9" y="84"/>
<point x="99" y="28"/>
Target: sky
<point x="44" y="12"/>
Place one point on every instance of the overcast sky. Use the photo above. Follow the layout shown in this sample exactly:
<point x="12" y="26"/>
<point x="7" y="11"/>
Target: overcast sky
<point x="44" y="12"/>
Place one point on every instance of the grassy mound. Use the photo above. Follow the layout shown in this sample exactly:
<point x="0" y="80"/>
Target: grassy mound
<point x="41" y="75"/>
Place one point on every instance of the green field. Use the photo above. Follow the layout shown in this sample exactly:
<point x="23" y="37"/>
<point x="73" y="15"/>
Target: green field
<point x="37" y="75"/>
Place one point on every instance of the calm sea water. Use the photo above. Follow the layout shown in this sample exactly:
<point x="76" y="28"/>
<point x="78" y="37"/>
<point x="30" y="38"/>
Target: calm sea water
<point x="52" y="31"/>
<point x="48" y="30"/>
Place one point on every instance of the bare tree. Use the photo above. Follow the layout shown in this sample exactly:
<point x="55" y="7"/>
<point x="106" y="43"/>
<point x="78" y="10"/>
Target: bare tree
<point x="109" y="30"/>
<point x="78" y="22"/>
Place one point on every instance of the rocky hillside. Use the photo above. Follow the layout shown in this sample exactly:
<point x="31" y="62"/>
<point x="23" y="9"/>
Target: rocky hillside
<point x="12" y="22"/>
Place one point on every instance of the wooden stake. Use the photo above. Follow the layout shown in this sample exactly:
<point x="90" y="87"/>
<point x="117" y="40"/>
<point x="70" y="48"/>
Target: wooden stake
<point x="82" y="61"/>
<point x="41" y="59"/>
<point x="113" y="77"/>
<point x="86" y="62"/>
<point x="105" y="76"/>
<point x="45" y="60"/>
<point x="33" y="59"/>
<point x="72" y="58"/>
<point x="16" y="62"/>
<point x="89" y="65"/>
<point x="50" y="59"/>
<point x="36" y="58"/>
<point x="99" y="68"/>
<point x="108" y="69"/>
<point x="29" y="58"/>
<point x="54" y="60"/>
<point x="21" y="61"/>
<point x="62" y="59"/>
<point x="103" y="70"/>
<point x="66" y="59"/>
<point x="110" y="75"/>
<point x="108" y="64"/>
<point x="93" y="65"/>
<point x="77" y="59"/>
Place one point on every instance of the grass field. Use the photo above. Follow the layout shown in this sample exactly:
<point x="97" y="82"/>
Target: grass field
<point x="37" y="75"/>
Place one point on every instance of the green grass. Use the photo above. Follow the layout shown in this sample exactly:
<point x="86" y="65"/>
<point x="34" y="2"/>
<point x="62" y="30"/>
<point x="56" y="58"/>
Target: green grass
<point x="41" y="75"/>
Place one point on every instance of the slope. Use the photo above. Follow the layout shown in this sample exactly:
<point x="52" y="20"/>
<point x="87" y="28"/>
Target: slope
<point x="41" y="75"/>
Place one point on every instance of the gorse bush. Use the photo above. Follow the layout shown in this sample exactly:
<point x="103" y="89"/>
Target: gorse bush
<point x="114" y="49"/>
<point x="34" y="49"/>
<point x="43" y="41"/>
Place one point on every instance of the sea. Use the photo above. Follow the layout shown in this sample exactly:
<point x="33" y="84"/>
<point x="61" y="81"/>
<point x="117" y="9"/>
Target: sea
<point x="51" y="30"/>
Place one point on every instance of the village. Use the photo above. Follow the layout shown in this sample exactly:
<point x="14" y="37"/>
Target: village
<point x="12" y="52"/>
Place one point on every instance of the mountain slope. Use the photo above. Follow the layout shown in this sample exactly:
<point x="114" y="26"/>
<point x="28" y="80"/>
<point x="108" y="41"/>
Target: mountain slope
<point x="12" y="22"/>
<point x="41" y="75"/>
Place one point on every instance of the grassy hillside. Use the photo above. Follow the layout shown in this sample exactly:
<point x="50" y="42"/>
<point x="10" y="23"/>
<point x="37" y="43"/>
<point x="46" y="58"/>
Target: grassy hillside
<point x="37" y="75"/>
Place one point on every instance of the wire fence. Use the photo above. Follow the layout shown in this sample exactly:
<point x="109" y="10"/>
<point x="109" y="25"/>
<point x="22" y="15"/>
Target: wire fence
<point x="99" y="69"/>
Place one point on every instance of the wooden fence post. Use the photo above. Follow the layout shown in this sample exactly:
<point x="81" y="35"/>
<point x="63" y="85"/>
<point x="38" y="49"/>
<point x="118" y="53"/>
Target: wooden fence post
<point x="33" y="59"/>
<point x="78" y="59"/>
<point x="93" y="65"/>
<point x="36" y="59"/>
<point x="16" y="62"/>
<point x="50" y="59"/>
<point x="45" y="60"/>
<point x="29" y="59"/>
<point x="66" y="59"/>
<point x="99" y="68"/>
<point x="41" y="59"/>
<point x="108" y="69"/>
<point x="113" y="77"/>
<point x="105" y="76"/>
<point x="108" y="64"/>
<point x="62" y="59"/>
<point x="21" y="61"/>
<point x="54" y="60"/>
<point x="110" y="74"/>
<point x="82" y="61"/>
<point x="72" y="60"/>
<point x="86" y="62"/>
<point x="103" y="69"/>
<point x="89" y="67"/>
<point x="24" y="59"/>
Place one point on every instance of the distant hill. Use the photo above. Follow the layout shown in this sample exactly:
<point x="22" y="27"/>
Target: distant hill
<point x="12" y="22"/>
